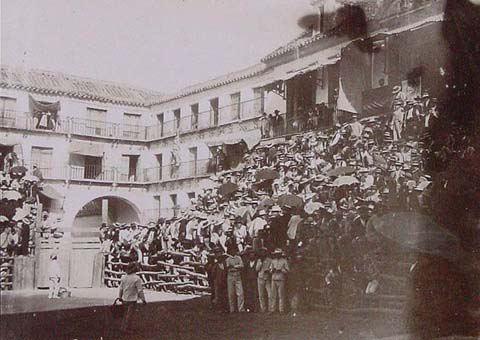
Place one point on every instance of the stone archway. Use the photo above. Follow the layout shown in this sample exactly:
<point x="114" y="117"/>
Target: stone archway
<point x="108" y="208"/>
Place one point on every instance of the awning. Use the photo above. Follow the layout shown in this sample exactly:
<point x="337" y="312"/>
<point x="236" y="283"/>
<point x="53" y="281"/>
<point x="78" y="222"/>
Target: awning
<point x="309" y="63"/>
<point x="86" y="149"/>
<point x="50" y="192"/>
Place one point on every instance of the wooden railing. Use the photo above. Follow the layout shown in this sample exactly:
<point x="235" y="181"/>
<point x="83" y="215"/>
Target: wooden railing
<point x="6" y="273"/>
<point x="187" y="277"/>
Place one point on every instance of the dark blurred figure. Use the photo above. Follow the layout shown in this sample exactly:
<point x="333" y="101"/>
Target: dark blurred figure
<point x="443" y="293"/>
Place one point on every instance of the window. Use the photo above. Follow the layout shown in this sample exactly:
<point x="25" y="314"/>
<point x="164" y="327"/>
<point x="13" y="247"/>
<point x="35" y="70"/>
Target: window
<point x="42" y="158"/>
<point x="259" y="100"/>
<point x="96" y="119"/>
<point x="159" y="167"/>
<point x="379" y="64"/>
<point x="176" y="115"/>
<point x="93" y="168"/>
<point x="129" y="169"/>
<point x="193" y="161"/>
<point x="7" y="114"/>
<point x="7" y="106"/>
<point x="214" y="111"/>
<point x="173" y="198"/>
<point x="160" y="118"/>
<point x="191" y="196"/>
<point x="194" y="111"/>
<point x="235" y="100"/>
<point x="131" y="127"/>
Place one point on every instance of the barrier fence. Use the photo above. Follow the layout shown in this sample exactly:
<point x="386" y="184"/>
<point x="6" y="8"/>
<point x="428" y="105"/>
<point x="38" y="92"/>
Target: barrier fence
<point x="187" y="276"/>
<point x="6" y="273"/>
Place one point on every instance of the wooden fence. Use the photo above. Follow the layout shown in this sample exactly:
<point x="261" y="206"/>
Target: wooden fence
<point x="6" y="273"/>
<point x="185" y="277"/>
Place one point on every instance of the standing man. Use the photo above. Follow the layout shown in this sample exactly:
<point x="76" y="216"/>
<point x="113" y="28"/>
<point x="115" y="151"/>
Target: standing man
<point x="264" y="279"/>
<point x="234" y="265"/>
<point x="130" y="290"/>
<point x="279" y="269"/>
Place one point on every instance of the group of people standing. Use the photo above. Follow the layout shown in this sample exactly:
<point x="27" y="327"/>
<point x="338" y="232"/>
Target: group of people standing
<point x="250" y="281"/>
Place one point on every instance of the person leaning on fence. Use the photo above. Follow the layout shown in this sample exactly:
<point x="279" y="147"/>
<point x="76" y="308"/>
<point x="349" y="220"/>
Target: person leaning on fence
<point x="130" y="291"/>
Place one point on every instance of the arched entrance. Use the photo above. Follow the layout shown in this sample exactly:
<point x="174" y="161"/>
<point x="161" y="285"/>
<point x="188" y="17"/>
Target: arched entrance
<point x="86" y="262"/>
<point x="108" y="209"/>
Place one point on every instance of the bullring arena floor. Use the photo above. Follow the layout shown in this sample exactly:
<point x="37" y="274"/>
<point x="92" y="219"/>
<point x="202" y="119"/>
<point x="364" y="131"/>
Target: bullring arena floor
<point x="87" y="315"/>
<point x="13" y="302"/>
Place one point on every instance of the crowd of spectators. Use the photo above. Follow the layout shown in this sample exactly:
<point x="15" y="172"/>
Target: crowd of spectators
<point x="296" y="209"/>
<point x="19" y="189"/>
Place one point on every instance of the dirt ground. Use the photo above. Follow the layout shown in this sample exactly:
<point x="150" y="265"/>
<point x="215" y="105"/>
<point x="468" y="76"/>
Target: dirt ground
<point x="193" y="319"/>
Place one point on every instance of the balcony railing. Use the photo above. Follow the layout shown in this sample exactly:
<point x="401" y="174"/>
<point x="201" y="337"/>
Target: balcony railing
<point x="99" y="173"/>
<point x="88" y="127"/>
<point x="206" y="119"/>
<point x="191" y="169"/>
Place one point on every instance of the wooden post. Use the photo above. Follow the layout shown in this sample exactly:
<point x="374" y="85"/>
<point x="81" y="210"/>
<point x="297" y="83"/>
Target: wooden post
<point x="36" y="240"/>
<point x="105" y="210"/>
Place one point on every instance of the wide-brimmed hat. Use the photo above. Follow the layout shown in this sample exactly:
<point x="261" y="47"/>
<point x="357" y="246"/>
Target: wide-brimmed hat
<point x="396" y="89"/>
<point x="276" y="208"/>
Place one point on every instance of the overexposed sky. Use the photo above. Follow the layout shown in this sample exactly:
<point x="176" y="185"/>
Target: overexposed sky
<point x="158" y="44"/>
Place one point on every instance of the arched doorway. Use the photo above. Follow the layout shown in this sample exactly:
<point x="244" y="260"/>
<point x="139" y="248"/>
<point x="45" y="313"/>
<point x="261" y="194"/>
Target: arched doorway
<point x="86" y="262"/>
<point x="108" y="209"/>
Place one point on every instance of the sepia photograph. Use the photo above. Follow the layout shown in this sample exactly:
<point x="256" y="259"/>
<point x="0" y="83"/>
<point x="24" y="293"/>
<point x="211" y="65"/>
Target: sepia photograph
<point x="254" y="169"/>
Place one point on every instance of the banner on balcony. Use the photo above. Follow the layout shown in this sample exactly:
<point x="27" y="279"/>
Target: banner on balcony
<point x="45" y="115"/>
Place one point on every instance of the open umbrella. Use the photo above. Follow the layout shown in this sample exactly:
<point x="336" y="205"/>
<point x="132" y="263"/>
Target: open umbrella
<point x="345" y="180"/>
<point x="18" y="170"/>
<point x="340" y="171"/>
<point x="31" y="178"/>
<point x="290" y="200"/>
<point x="20" y="214"/>
<point x="266" y="202"/>
<point x="419" y="233"/>
<point x="311" y="207"/>
<point x="227" y="188"/>
<point x="12" y="195"/>
<point x="265" y="174"/>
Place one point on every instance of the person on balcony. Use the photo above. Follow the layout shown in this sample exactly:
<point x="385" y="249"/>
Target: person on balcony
<point x="277" y="123"/>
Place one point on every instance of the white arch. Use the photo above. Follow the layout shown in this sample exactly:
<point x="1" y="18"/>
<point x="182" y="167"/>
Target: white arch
<point x="79" y="201"/>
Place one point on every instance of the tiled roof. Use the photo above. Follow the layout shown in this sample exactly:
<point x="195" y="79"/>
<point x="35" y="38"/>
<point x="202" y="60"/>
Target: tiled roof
<point x="302" y="40"/>
<point x="56" y="83"/>
<point x="213" y="83"/>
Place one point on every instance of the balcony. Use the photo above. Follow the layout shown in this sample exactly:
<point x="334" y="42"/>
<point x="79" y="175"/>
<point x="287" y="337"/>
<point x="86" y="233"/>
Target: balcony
<point x="103" y="174"/>
<point x="87" y="127"/>
<point x="183" y="170"/>
<point x="206" y="119"/>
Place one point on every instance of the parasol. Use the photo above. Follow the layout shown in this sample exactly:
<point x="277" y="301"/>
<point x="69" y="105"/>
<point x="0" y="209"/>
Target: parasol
<point x="18" y="170"/>
<point x="12" y="195"/>
<point x="343" y="170"/>
<point x="419" y="233"/>
<point x="266" y="202"/>
<point x="345" y="180"/>
<point x="227" y="188"/>
<point x="31" y="178"/>
<point x="266" y="174"/>
<point x="19" y="214"/>
<point x="290" y="200"/>
<point x="311" y="207"/>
